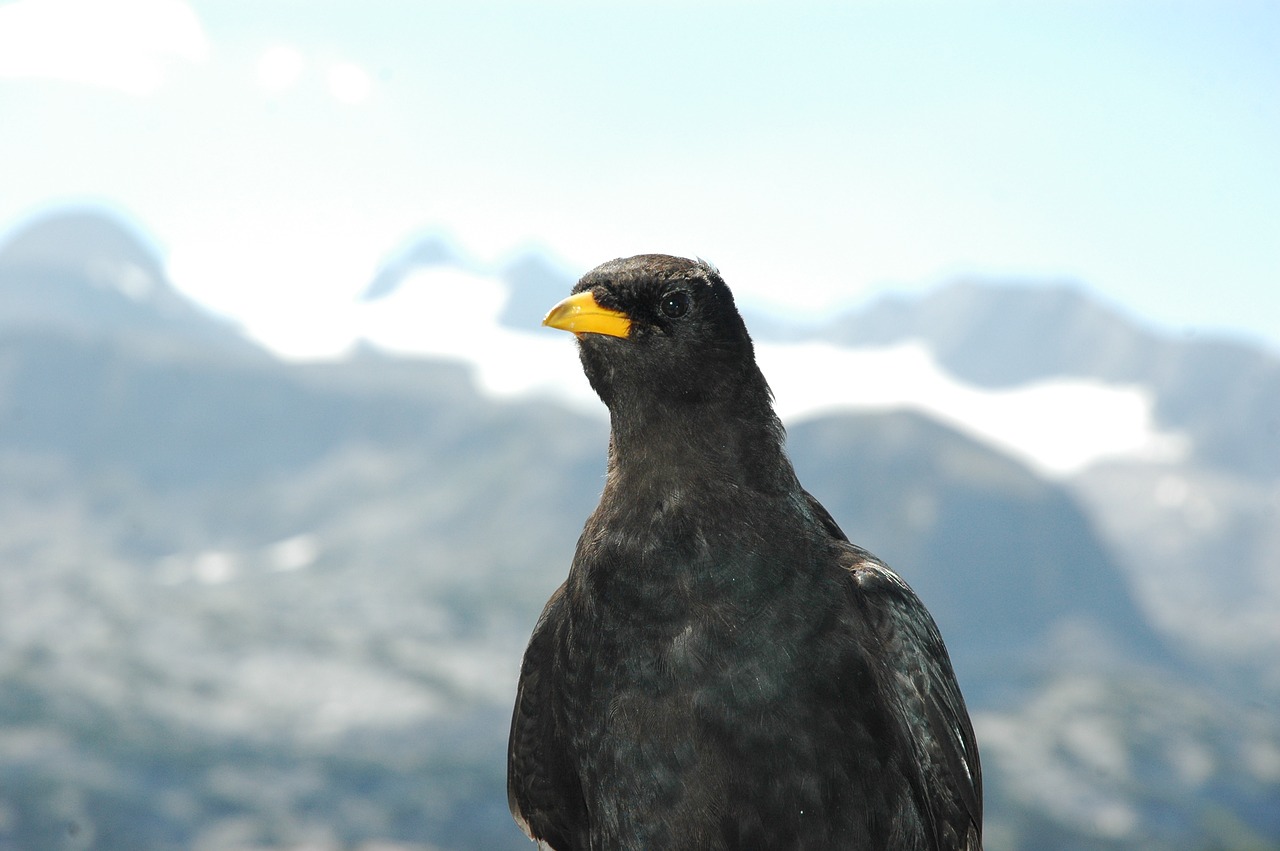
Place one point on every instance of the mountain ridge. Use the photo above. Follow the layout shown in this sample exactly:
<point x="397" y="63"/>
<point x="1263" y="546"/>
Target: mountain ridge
<point x="1224" y="393"/>
<point x="87" y="271"/>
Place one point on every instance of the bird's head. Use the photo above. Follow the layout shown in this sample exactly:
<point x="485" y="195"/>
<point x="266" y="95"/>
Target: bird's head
<point x="659" y="329"/>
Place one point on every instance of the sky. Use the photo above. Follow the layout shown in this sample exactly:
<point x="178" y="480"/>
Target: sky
<point x="276" y="151"/>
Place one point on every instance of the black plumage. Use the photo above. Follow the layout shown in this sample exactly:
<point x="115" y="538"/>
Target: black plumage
<point x="722" y="669"/>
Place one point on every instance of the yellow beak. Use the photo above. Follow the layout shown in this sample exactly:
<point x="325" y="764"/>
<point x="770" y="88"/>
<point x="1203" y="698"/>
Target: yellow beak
<point x="581" y="314"/>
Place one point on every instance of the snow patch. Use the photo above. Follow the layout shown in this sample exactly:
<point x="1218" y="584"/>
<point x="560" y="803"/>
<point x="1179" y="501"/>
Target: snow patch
<point x="448" y="313"/>
<point x="293" y="553"/>
<point x="1060" y="427"/>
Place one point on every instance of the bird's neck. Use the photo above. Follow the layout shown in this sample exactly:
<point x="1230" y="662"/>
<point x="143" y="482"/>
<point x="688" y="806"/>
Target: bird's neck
<point x="736" y="441"/>
<point x="693" y="512"/>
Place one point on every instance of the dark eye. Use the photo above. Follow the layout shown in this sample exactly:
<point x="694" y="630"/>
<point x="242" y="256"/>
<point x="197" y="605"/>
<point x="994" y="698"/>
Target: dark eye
<point x="675" y="304"/>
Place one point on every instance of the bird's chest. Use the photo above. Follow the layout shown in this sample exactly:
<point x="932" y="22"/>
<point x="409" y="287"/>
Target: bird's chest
<point x="691" y="719"/>
<point x="690" y="658"/>
<point x="680" y="597"/>
<point x="654" y="725"/>
<point x="673" y="635"/>
<point x="668" y="555"/>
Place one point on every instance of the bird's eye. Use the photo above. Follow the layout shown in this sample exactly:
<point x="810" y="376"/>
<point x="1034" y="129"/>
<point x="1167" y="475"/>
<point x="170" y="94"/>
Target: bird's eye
<point x="675" y="304"/>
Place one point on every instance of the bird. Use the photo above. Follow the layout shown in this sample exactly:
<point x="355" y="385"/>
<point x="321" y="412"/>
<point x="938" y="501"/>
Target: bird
<point x="722" y="669"/>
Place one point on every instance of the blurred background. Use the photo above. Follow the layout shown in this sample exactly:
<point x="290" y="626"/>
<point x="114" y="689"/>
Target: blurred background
<point x="288" y="467"/>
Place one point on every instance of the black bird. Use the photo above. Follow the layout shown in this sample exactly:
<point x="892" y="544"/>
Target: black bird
<point x="722" y="669"/>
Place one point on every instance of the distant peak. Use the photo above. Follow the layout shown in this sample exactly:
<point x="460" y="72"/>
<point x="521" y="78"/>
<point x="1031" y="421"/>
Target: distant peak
<point x="535" y="282"/>
<point x="89" y="270"/>
<point x="420" y="252"/>
<point x="88" y="242"/>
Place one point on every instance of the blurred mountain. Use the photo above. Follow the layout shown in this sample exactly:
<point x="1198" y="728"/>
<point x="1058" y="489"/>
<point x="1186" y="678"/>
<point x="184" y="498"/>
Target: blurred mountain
<point x="1224" y="394"/>
<point x="246" y="603"/>
<point x="533" y="280"/>
<point x="422" y="252"/>
<point x="84" y="271"/>
<point x="261" y="605"/>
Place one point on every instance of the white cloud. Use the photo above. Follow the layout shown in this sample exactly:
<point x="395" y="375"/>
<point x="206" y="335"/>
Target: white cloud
<point x="280" y="68"/>
<point x="126" y="45"/>
<point x="350" y="83"/>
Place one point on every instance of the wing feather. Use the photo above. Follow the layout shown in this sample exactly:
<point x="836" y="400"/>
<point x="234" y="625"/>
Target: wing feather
<point x="916" y="671"/>
<point x="543" y="792"/>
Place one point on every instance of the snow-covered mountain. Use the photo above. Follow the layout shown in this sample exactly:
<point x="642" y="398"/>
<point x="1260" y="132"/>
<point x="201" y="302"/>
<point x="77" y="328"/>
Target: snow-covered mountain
<point x="251" y="600"/>
<point x="1222" y="394"/>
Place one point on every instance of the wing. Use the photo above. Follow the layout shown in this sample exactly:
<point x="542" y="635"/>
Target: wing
<point x="542" y="790"/>
<point x="916" y="672"/>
